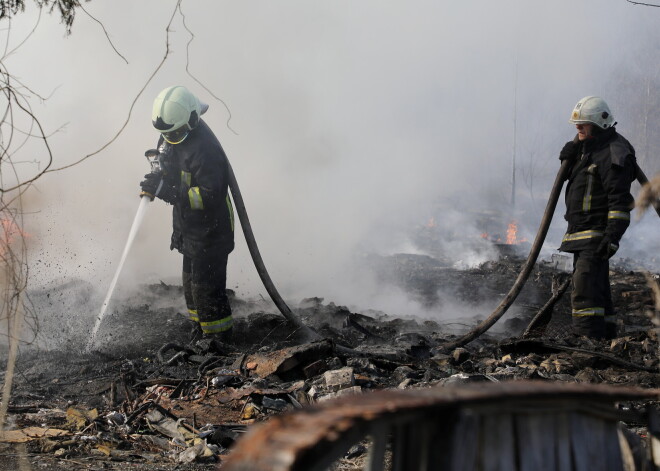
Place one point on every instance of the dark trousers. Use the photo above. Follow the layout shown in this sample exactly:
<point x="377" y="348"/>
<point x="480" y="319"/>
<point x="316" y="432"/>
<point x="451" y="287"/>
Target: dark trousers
<point x="204" y="287"/>
<point x="591" y="298"/>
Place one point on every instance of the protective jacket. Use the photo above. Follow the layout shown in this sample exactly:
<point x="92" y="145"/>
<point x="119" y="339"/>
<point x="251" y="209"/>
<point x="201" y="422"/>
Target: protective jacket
<point x="196" y="174"/>
<point x="598" y="199"/>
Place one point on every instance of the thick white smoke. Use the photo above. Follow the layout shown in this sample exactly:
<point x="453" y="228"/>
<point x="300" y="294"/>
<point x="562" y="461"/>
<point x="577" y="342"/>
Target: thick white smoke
<point x="355" y="122"/>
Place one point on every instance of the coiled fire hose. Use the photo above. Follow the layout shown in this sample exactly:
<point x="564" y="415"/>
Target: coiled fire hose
<point x="526" y="269"/>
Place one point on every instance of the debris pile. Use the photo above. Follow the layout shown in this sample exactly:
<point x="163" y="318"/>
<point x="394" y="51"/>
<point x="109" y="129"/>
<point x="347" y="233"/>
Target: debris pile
<point x="151" y="398"/>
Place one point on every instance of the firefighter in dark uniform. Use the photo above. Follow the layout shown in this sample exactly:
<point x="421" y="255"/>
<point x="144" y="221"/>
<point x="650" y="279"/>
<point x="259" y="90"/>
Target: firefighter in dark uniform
<point x="194" y="180"/>
<point x="598" y="205"/>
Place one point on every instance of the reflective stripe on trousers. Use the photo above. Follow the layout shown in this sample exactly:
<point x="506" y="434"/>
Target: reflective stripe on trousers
<point x="590" y="311"/>
<point x="214" y="327"/>
<point x="204" y="283"/>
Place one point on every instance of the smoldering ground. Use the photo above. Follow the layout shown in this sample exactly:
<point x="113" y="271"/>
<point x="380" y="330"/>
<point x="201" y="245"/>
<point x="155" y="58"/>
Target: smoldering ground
<point x="352" y="124"/>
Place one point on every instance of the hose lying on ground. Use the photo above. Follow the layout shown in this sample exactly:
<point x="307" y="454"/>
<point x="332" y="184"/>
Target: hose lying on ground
<point x="258" y="261"/>
<point x="562" y="176"/>
<point x="263" y="273"/>
<point x="518" y="285"/>
<point x="513" y="293"/>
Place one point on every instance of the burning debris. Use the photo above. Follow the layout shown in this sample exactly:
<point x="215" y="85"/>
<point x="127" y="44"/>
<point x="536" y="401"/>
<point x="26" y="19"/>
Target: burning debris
<point x="148" y="398"/>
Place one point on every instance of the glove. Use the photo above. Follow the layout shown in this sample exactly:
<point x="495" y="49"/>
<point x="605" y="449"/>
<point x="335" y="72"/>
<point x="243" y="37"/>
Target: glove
<point x="150" y="184"/>
<point x="607" y="248"/>
<point x="570" y="150"/>
<point x="157" y="184"/>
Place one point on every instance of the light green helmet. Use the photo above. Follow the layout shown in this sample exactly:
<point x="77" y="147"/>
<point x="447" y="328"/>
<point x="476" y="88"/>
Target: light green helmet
<point x="594" y="110"/>
<point x="176" y="112"/>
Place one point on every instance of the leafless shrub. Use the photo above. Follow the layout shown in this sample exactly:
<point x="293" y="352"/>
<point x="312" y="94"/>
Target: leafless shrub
<point x="18" y="126"/>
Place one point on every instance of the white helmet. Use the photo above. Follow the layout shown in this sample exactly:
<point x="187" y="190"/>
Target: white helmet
<point x="594" y="110"/>
<point x="176" y="112"/>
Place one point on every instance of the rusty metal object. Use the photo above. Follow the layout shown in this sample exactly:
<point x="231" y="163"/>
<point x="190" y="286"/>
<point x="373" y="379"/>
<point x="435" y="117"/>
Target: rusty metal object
<point x="286" y="360"/>
<point x="423" y="428"/>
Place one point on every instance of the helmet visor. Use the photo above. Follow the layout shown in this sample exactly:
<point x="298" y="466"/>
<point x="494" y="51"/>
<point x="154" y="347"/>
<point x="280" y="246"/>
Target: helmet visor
<point x="175" y="137"/>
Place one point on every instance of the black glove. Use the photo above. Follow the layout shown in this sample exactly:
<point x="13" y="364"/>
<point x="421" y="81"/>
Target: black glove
<point x="607" y="248"/>
<point x="150" y="184"/>
<point x="570" y="150"/>
<point x="156" y="184"/>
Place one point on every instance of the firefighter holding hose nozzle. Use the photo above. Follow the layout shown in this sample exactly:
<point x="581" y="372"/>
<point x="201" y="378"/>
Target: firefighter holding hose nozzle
<point x="193" y="178"/>
<point x="598" y="205"/>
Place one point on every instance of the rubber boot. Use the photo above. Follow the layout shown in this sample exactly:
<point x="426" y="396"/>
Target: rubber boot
<point x="195" y="333"/>
<point x="226" y="336"/>
<point x="591" y="326"/>
<point x="215" y="344"/>
<point x="610" y="327"/>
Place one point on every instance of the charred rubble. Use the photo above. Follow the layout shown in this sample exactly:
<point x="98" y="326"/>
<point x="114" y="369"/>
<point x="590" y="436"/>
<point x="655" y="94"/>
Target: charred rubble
<point x="149" y="398"/>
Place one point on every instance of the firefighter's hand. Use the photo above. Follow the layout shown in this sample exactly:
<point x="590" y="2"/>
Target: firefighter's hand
<point x="569" y="151"/>
<point x="607" y="248"/>
<point x="150" y="185"/>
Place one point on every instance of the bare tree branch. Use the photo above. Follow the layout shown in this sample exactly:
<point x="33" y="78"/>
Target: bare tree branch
<point x="192" y="37"/>
<point x="644" y="4"/>
<point x="130" y="111"/>
<point x="105" y="31"/>
<point x="9" y="53"/>
<point x="10" y="93"/>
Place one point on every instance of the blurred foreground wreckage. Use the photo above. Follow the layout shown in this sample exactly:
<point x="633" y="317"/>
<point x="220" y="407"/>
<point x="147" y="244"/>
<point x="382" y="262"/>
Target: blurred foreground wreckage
<point x="513" y="426"/>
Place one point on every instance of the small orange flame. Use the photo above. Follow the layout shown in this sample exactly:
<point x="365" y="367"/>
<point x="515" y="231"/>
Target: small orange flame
<point x="431" y="222"/>
<point x="512" y="234"/>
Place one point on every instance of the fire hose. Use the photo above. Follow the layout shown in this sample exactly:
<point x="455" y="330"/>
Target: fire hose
<point x="281" y="305"/>
<point x="486" y="324"/>
<point x="526" y="269"/>
<point x="239" y="205"/>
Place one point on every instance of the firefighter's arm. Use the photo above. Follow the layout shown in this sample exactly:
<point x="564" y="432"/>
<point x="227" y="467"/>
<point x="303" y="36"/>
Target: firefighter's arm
<point x="618" y="177"/>
<point x="209" y="175"/>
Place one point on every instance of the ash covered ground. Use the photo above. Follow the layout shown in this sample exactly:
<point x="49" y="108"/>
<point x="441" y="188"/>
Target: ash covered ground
<point x="148" y="398"/>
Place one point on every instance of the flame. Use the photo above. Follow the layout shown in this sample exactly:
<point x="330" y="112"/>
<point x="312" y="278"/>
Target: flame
<point x="512" y="234"/>
<point x="431" y="222"/>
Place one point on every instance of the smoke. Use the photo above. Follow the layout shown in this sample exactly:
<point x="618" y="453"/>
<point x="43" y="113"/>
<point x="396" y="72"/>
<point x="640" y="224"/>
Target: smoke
<point x="355" y="123"/>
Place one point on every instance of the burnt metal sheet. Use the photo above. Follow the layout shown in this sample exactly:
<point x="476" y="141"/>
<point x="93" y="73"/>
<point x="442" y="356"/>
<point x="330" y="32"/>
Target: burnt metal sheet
<point x="300" y="440"/>
<point x="287" y="359"/>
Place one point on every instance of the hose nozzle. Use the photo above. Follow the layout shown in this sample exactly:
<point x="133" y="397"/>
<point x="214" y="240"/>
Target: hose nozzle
<point x="153" y="157"/>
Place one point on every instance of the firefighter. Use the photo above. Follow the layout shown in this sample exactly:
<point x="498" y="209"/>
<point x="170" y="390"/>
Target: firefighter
<point x="598" y="205"/>
<point x="194" y="179"/>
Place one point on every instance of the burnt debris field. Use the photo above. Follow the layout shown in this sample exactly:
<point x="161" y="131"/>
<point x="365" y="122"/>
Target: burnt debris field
<point x="148" y="398"/>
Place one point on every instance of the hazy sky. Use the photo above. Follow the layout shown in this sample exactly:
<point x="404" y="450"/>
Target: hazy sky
<point x="354" y="120"/>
